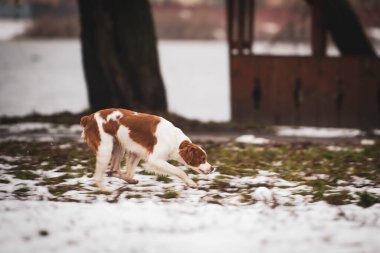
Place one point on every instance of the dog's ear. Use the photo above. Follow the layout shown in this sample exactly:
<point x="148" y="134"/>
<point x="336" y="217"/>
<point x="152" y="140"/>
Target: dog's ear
<point x="186" y="151"/>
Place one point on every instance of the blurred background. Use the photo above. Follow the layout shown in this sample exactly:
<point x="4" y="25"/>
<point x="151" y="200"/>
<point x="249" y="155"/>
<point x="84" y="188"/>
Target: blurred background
<point x="41" y="64"/>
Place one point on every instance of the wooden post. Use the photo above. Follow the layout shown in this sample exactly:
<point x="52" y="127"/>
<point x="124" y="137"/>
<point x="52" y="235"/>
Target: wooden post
<point x="249" y="19"/>
<point x="240" y="15"/>
<point x="230" y="25"/>
<point x="318" y="37"/>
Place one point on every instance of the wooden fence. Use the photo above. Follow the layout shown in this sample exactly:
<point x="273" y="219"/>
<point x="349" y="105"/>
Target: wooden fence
<point x="309" y="91"/>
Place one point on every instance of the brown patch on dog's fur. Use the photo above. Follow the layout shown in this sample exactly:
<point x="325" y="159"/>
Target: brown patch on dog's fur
<point x="142" y="126"/>
<point x="90" y="132"/>
<point x="191" y="154"/>
<point x="111" y="127"/>
<point x="105" y="112"/>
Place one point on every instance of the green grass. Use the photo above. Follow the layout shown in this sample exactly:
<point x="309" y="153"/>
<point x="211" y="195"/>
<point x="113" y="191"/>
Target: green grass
<point x="300" y="163"/>
<point x="366" y="199"/>
<point x="169" y="195"/>
<point x="164" y="179"/>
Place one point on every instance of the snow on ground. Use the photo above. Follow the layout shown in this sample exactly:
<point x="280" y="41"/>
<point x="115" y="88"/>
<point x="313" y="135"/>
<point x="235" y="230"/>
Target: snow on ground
<point x="250" y="138"/>
<point x="48" y="203"/>
<point x="37" y="131"/>
<point x="12" y="28"/>
<point x="150" y="227"/>
<point x="318" y="132"/>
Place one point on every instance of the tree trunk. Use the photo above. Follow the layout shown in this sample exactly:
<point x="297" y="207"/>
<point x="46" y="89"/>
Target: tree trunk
<point x="345" y="28"/>
<point x="120" y="56"/>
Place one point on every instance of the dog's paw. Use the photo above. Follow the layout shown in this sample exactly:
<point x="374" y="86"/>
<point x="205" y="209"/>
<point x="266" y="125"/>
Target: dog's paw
<point x="192" y="185"/>
<point x="101" y="187"/>
<point x="131" y="181"/>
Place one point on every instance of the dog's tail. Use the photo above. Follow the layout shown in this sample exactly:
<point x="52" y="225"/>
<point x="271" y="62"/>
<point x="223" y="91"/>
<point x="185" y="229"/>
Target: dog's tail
<point x="84" y="120"/>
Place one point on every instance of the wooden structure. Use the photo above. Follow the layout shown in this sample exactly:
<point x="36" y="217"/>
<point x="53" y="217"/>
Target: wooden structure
<point x="310" y="91"/>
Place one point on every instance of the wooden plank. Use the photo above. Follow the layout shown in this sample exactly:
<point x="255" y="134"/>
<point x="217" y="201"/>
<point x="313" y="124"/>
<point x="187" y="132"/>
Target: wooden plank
<point x="307" y="110"/>
<point x="333" y="92"/>
<point x="285" y="73"/>
<point x="327" y="111"/>
<point x="368" y="88"/>
<point x="349" y="74"/>
<point x="261" y="93"/>
<point x="241" y="86"/>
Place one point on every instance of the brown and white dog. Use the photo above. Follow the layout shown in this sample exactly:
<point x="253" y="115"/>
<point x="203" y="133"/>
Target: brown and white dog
<point x="114" y="133"/>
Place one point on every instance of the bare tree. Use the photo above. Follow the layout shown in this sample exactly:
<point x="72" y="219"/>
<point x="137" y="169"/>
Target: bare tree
<point x="120" y="57"/>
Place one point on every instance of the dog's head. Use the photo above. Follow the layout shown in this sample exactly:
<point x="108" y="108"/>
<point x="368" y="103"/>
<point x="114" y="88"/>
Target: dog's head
<point x="195" y="157"/>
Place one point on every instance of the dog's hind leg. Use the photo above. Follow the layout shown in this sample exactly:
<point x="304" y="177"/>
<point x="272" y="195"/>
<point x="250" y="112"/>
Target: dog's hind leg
<point x="103" y="157"/>
<point x="117" y="156"/>
<point x="131" y="162"/>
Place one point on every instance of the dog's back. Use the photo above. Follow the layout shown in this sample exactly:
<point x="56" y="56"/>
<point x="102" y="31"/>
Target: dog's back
<point x="141" y="127"/>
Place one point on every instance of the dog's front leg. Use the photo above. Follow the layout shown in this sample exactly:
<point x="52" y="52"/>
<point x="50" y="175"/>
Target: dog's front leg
<point x="163" y="167"/>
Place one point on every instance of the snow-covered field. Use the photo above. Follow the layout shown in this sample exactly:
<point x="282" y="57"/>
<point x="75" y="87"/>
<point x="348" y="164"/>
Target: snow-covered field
<point x="48" y="202"/>
<point x="171" y="227"/>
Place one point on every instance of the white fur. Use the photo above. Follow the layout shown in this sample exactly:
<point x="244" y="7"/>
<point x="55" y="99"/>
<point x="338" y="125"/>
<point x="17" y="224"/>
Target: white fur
<point x="169" y="139"/>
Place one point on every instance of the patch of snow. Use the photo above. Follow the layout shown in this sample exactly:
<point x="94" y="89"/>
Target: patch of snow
<point x="11" y="28"/>
<point x="374" y="191"/>
<point x="78" y="167"/>
<point x="49" y="173"/>
<point x="336" y="148"/>
<point x="16" y="138"/>
<point x="251" y="139"/>
<point x="46" y="139"/>
<point x="65" y="146"/>
<point x="9" y="158"/>
<point x="341" y="182"/>
<point x="361" y="181"/>
<point x="277" y="163"/>
<point x="266" y="173"/>
<point x="317" y="176"/>
<point x="26" y="127"/>
<point x="318" y="132"/>
<point x="263" y="194"/>
<point x="5" y="166"/>
<point x="262" y="180"/>
<point x="75" y="129"/>
<point x="367" y="142"/>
